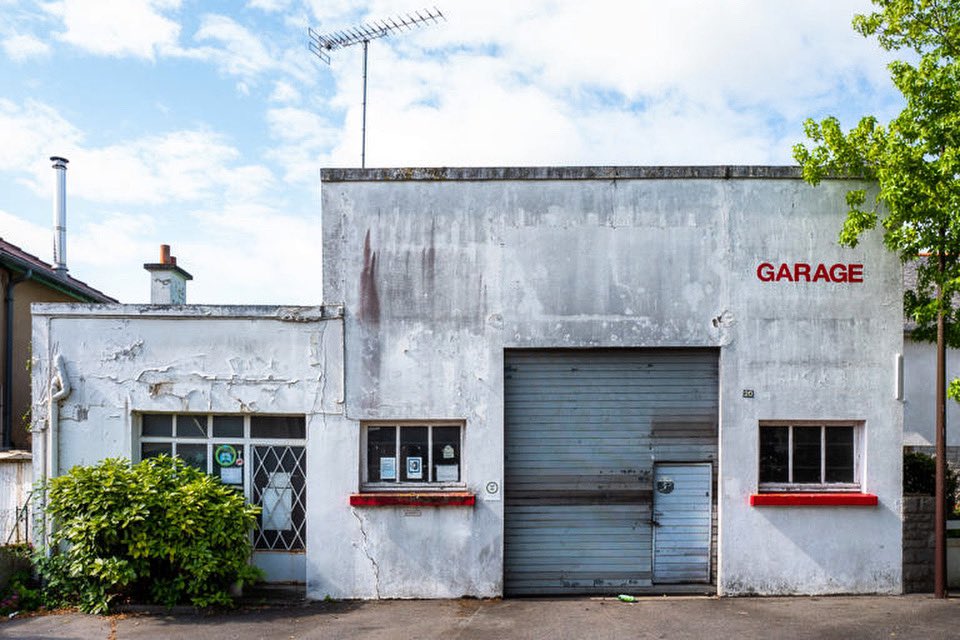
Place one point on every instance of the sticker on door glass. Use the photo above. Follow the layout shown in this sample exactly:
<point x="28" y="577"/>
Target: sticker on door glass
<point x="226" y="455"/>
<point x="415" y="468"/>
<point x="448" y="452"/>
<point x="388" y="468"/>
<point x="665" y="485"/>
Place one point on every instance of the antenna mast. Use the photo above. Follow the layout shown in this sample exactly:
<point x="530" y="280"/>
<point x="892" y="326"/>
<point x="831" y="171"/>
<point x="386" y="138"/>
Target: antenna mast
<point x="322" y="44"/>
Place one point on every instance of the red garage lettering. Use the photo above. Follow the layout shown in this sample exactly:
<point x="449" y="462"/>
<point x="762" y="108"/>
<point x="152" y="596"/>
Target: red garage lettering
<point x="804" y="272"/>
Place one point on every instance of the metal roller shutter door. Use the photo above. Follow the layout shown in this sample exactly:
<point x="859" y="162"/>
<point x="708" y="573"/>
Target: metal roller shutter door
<point x="582" y="429"/>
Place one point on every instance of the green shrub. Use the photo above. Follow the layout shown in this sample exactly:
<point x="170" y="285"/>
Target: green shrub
<point x="158" y="531"/>
<point x="21" y="591"/>
<point x="919" y="478"/>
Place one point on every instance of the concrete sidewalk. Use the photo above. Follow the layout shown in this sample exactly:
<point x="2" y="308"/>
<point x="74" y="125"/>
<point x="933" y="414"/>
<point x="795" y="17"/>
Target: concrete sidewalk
<point x="915" y="616"/>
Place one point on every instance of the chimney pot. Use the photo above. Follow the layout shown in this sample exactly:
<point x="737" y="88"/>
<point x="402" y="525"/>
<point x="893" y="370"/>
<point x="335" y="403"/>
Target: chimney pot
<point x="164" y="253"/>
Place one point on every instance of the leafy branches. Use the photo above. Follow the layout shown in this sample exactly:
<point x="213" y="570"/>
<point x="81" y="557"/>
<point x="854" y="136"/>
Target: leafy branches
<point x="914" y="160"/>
<point x="159" y="531"/>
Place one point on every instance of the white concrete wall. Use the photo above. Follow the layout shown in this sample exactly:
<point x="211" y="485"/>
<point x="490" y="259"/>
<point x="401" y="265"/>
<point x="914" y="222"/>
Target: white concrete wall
<point x="123" y="359"/>
<point x="920" y="393"/>
<point x="440" y="270"/>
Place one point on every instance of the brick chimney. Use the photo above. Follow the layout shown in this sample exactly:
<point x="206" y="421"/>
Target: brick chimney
<point x="168" y="282"/>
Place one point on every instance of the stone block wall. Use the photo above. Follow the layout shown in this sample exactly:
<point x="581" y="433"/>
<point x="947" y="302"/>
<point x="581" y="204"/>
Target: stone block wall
<point x="918" y="543"/>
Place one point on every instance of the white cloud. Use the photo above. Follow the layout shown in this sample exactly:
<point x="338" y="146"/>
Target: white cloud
<point x="304" y="136"/>
<point x="284" y="92"/>
<point x="543" y="82"/>
<point x="30" y="237"/>
<point x="176" y="166"/>
<point x="32" y="133"/>
<point x="269" y="5"/>
<point x="20" y="47"/>
<point x="239" y="52"/>
<point x="253" y="252"/>
<point x="138" y="28"/>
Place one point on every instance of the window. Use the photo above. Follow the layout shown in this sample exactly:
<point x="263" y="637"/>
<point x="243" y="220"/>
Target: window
<point x="262" y="456"/>
<point x="810" y="456"/>
<point x="412" y="454"/>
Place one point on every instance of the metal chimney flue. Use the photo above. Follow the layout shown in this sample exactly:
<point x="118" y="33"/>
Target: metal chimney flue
<point x="60" y="216"/>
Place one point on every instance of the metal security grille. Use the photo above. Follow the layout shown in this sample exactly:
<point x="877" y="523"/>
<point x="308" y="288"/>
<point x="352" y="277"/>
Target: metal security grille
<point x="264" y="456"/>
<point x="582" y="430"/>
<point x="280" y="489"/>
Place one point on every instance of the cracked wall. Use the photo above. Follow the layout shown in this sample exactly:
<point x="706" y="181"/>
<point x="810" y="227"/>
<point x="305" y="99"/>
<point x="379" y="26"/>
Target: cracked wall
<point x="125" y="359"/>
<point x="441" y="275"/>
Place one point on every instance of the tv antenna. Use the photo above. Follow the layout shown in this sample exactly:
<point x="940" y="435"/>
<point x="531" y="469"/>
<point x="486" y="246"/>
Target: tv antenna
<point x="322" y="43"/>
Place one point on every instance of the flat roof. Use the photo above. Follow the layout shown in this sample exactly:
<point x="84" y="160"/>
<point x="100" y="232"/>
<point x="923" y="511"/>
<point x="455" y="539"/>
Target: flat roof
<point x="404" y="174"/>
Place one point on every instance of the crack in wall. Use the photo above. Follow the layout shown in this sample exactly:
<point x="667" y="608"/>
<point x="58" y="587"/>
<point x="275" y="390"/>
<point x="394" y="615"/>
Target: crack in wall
<point x="366" y="552"/>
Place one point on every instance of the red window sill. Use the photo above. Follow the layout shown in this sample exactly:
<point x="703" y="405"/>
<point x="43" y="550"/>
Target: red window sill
<point x="813" y="500"/>
<point x="425" y="499"/>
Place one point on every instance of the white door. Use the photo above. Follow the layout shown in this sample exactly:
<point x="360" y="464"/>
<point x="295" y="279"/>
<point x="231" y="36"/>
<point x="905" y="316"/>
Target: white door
<point x="682" y="523"/>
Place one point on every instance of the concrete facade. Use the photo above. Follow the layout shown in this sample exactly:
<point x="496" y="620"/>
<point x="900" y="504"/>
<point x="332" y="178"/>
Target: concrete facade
<point x="441" y="270"/>
<point x="431" y="274"/>
<point x="123" y="360"/>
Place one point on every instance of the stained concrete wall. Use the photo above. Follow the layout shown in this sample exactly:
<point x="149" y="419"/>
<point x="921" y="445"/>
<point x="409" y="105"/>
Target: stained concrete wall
<point x="124" y="359"/>
<point x="440" y="270"/>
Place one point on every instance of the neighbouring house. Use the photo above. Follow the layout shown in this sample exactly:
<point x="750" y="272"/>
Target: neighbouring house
<point x="540" y="380"/>
<point x="25" y="279"/>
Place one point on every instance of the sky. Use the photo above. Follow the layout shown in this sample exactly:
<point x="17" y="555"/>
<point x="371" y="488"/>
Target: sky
<point x="204" y="124"/>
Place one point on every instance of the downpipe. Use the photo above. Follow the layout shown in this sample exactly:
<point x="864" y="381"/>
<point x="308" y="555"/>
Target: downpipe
<point x="48" y="443"/>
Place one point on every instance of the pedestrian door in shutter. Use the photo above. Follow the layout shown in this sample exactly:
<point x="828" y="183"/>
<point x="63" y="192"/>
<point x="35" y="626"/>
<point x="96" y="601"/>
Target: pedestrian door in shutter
<point x="681" y="523"/>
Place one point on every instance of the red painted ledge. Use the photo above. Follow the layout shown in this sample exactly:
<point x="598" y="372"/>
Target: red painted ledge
<point x="425" y="499"/>
<point x="813" y="500"/>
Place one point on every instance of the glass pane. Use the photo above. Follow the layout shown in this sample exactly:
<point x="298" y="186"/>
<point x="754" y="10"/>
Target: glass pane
<point x="278" y="427"/>
<point x="839" y="454"/>
<point x="191" y="426"/>
<point x="446" y="454"/>
<point x="154" y="449"/>
<point x="806" y="454"/>
<point x="194" y="455"/>
<point x="227" y="426"/>
<point x="156" y="425"/>
<point x="228" y="461"/>
<point x="413" y="454"/>
<point x="774" y="454"/>
<point x="381" y="454"/>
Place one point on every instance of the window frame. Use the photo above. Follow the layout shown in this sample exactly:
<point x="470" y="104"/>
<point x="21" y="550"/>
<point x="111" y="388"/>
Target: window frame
<point x="246" y="443"/>
<point x="815" y="487"/>
<point x="405" y="485"/>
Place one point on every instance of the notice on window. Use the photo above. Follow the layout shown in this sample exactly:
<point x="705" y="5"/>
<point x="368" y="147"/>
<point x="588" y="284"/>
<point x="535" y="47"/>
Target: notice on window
<point x="447" y="473"/>
<point x="231" y="475"/>
<point x="415" y="468"/>
<point x="277" y="502"/>
<point x="388" y="468"/>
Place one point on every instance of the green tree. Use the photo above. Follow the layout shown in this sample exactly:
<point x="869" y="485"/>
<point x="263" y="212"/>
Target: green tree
<point x="914" y="163"/>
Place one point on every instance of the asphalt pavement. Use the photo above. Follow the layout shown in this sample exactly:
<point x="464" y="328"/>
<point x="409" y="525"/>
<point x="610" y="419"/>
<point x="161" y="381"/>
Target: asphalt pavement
<point x="824" y="618"/>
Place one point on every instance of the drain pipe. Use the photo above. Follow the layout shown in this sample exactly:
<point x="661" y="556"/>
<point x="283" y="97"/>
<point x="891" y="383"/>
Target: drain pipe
<point x="46" y="447"/>
<point x="8" y="359"/>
